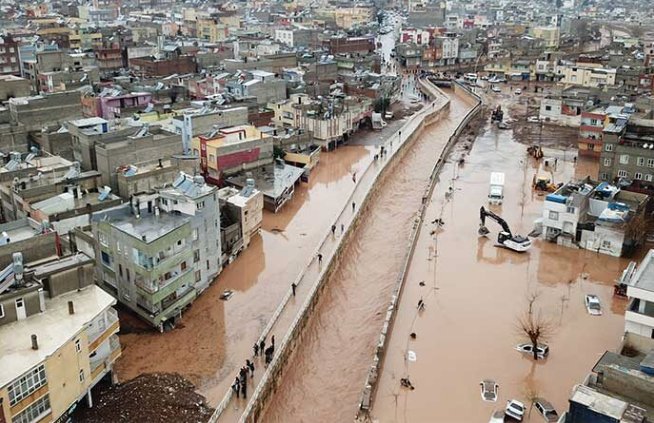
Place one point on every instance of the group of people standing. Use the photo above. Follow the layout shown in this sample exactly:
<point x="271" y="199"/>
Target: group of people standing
<point x="240" y="385"/>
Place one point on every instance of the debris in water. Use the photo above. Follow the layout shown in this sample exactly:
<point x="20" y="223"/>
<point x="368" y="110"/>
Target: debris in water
<point x="276" y="230"/>
<point x="411" y="355"/>
<point x="407" y="383"/>
<point x="421" y="283"/>
<point x="413" y="335"/>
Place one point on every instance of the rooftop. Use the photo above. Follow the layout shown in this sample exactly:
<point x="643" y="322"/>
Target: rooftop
<point x="54" y="328"/>
<point x="598" y="402"/>
<point x="151" y="227"/>
<point x="272" y="182"/>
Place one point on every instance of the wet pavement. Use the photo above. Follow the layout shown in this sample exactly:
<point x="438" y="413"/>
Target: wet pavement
<point x="474" y="292"/>
<point x="324" y="376"/>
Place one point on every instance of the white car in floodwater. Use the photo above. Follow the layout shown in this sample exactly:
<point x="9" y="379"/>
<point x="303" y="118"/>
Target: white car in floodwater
<point x="497" y="417"/>
<point x="489" y="390"/>
<point x="515" y="409"/>
<point x="593" y="305"/>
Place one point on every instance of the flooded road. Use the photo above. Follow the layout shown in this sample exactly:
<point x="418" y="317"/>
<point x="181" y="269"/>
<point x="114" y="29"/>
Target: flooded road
<point x="474" y="293"/>
<point x="324" y="377"/>
<point x="216" y="335"/>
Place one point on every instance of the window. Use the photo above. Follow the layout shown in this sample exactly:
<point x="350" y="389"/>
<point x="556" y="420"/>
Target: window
<point x="196" y="256"/>
<point x="638" y="176"/>
<point x="606" y="244"/>
<point x="103" y="238"/>
<point x="554" y="215"/>
<point x="78" y="346"/>
<point x="120" y="270"/>
<point x="183" y="266"/>
<point x="195" y="234"/>
<point x="650" y="162"/>
<point x="2" y="311"/>
<point x="608" y="147"/>
<point x="624" y="158"/>
<point x="591" y="147"/>
<point x="548" y="108"/>
<point x="208" y="265"/>
<point x="34" y="412"/>
<point x="607" y="162"/>
<point x="106" y="258"/>
<point x="212" y="158"/>
<point x="200" y="205"/>
<point x="26" y="384"/>
<point x="570" y="210"/>
<point x="604" y="176"/>
<point x="648" y="177"/>
<point x="128" y="275"/>
<point x="593" y="122"/>
<point x="640" y="161"/>
<point x="81" y="375"/>
<point x="623" y="173"/>
<point x="198" y="276"/>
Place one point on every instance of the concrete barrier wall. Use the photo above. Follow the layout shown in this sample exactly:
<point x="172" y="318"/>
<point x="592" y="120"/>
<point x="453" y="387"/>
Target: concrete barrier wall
<point x="370" y="385"/>
<point x="411" y="131"/>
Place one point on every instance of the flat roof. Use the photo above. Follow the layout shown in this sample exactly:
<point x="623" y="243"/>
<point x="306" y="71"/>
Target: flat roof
<point x="271" y="184"/>
<point x="151" y="227"/>
<point x="53" y="328"/>
<point x="92" y="121"/>
<point x="598" y="402"/>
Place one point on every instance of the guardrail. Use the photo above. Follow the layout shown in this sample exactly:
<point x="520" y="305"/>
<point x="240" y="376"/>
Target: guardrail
<point x="370" y="386"/>
<point x="405" y="135"/>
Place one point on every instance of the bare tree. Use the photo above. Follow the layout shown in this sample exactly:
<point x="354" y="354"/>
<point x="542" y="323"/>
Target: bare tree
<point x="536" y="328"/>
<point x="531" y="299"/>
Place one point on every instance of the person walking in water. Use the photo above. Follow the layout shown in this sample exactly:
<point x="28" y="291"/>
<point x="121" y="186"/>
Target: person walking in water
<point x="251" y="366"/>
<point x="354" y="205"/>
<point x="319" y="259"/>
<point x="333" y="230"/>
<point x="293" y="287"/>
<point x="342" y="228"/>
<point x="236" y="386"/>
<point x="262" y="345"/>
<point x="256" y="349"/>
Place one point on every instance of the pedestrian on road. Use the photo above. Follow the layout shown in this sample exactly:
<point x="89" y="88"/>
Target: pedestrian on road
<point x="236" y="386"/>
<point x="342" y="228"/>
<point x="421" y="305"/>
<point x="354" y="205"/>
<point x="272" y="341"/>
<point x="256" y="349"/>
<point x="293" y="286"/>
<point x="354" y="177"/>
<point x="262" y="345"/>
<point x="243" y="373"/>
<point x="244" y="388"/>
<point x="319" y="259"/>
<point x="333" y="229"/>
<point x="251" y="366"/>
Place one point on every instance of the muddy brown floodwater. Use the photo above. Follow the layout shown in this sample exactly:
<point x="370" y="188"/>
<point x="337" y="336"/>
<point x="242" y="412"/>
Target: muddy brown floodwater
<point x="474" y="293"/>
<point x="325" y="374"/>
<point x="216" y="336"/>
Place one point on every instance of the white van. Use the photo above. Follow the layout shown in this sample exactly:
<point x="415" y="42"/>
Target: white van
<point x="496" y="190"/>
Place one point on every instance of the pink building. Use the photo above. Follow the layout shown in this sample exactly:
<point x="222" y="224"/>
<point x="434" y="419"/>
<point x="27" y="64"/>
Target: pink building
<point x="110" y="107"/>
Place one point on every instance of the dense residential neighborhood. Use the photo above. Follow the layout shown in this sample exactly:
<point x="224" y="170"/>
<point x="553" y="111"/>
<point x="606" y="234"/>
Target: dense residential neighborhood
<point x="288" y="211"/>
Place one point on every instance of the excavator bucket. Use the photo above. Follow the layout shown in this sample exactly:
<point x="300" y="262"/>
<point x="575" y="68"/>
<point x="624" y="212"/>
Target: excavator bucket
<point x="483" y="230"/>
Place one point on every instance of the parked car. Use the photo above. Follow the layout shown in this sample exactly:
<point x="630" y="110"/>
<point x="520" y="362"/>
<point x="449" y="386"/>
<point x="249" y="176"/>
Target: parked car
<point x="593" y="305"/>
<point x="515" y="409"/>
<point x="496" y="89"/>
<point x="542" y="350"/>
<point x="518" y="91"/>
<point x="546" y="410"/>
<point x="533" y="119"/>
<point x="489" y="390"/>
<point x="497" y="417"/>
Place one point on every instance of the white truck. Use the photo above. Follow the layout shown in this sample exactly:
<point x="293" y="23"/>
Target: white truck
<point x="496" y="190"/>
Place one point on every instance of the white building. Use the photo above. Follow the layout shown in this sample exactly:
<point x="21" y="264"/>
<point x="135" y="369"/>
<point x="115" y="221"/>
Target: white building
<point x="639" y="316"/>
<point x="586" y="75"/>
<point x="562" y="211"/>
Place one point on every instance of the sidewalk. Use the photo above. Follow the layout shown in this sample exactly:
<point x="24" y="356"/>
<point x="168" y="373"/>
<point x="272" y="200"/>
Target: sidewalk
<point x="230" y="409"/>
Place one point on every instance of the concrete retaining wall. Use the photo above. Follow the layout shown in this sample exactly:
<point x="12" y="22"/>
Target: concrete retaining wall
<point x="410" y="131"/>
<point x="370" y="386"/>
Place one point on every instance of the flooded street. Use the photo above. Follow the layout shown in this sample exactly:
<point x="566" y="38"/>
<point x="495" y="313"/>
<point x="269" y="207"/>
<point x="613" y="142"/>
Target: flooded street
<point x="474" y="293"/>
<point x="215" y="335"/>
<point x="324" y="378"/>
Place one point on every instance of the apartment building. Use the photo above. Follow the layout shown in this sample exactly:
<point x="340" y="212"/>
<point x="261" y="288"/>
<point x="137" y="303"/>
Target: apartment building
<point x="58" y="331"/>
<point x="590" y="132"/>
<point x="628" y="150"/>
<point x="639" y="316"/>
<point x="9" y="56"/>
<point x="227" y="151"/>
<point x="157" y="254"/>
<point x="589" y="75"/>
<point x="241" y="210"/>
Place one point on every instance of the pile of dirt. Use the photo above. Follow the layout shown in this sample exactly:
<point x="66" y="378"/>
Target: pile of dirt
<point x="155" y="397"/>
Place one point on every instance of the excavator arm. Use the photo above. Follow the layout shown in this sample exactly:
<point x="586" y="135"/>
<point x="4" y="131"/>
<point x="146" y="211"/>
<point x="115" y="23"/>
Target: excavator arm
<point x="483" y="213"/>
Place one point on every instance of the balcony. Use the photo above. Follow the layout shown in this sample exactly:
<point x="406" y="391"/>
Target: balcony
<point x="106" y="327"/>
<point x="641" y="315"/>
<point x="101" y="362"/>
<point x="167" y="287"/>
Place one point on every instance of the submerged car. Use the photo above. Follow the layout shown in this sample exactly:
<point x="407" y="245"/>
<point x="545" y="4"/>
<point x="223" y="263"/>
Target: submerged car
<point x="496" y="89"/>
<point x="542" y="350"/>
<point x="489" y="390"/>
<point x="593" y="305"/>
<point x="546" y="410"/>
<point x="518" y="91"/>
<point x="515" y="409"/>
<point x="533" y="119"/>
<point x="497" y="417"/>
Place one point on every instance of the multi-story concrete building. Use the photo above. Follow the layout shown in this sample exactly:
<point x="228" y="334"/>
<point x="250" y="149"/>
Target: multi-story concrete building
<point x="628" y="150"/>
<point x="58" y="332"/>
<point x="265" y="86"/>
<point x="211" y="30"/>
<point x="639" y="316"/>
<point x="224" y="152"/>
<point x="43" y="110"/>
<point x="549" y="34"/>
<point x="158" y="253"/>
<point x="13" y="86"/>
<point x="590" y="132"/>
<point x="591" y="75"/>
<point x="9" y="57"/>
